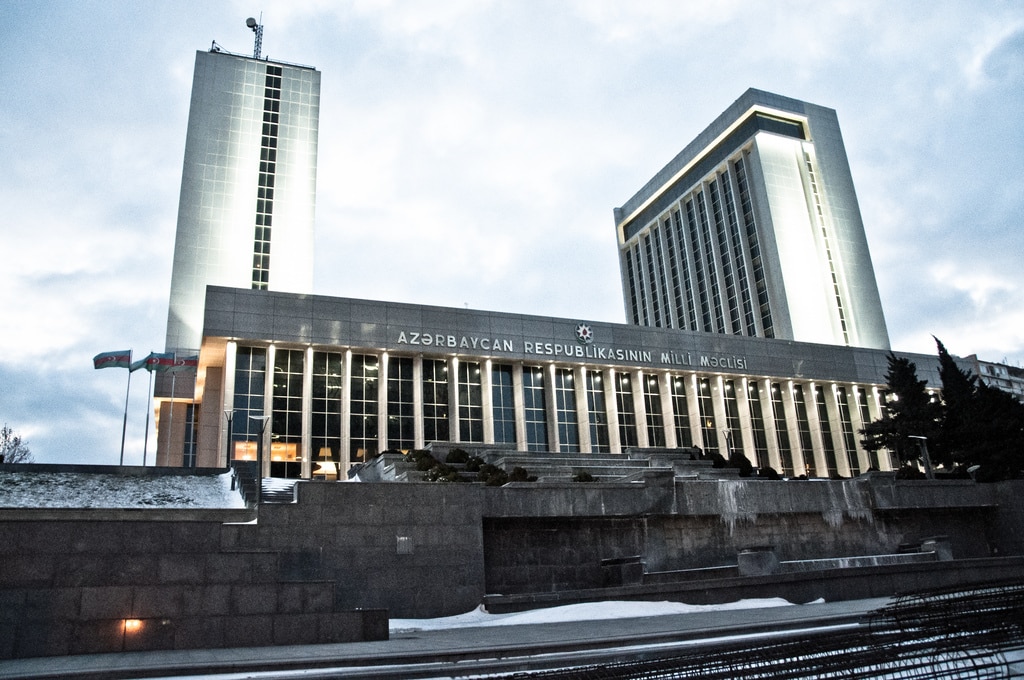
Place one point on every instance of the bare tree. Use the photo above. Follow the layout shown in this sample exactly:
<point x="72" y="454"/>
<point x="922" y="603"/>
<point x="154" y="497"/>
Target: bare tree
<point x="12" y="448"/>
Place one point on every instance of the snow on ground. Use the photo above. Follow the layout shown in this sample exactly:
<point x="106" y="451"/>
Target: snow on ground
<point x="97" y="490"/>
<point x="587" y="611"/>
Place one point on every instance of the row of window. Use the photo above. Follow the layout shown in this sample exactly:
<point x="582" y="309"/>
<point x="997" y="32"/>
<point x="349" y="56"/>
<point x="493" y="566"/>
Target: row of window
<point x="699" y="265"/>
<point x="361" y="404"/>
<point x="268" y="165"/>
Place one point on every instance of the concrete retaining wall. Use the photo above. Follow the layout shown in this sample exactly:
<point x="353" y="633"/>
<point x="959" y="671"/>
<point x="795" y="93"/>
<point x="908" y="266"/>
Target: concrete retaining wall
<point x="71" y="579"/>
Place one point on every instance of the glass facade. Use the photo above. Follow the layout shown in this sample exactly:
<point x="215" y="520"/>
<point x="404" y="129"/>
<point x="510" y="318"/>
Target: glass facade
<point x="681" y="412"/>
<point x="349" y="420"/>
<point x="655" y="418"/>
<point x="503" y="404"/>
<point x="597" y="413"/>
<point x="435" y="400"/>
<point x="534" y="409"/>
<point x="708" y="429"/>
<point x="471" y="404"/>
<point x="286" y="420"/>
<point x="325" y="408"/>
<point x="565" y="408"/>
<point x="757" y="427"/>
<point x="365" y="386"/>
<point x="249" y="397"/>
<point x="627" y="414"/>
<point x="781" y="431"/>
<point x="401" y="406"/>
<point x="249" y="168"/>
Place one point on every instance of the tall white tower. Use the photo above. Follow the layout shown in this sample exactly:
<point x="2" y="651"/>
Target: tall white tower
<point x="248" y="187"/>
<point x="754" y="229"/>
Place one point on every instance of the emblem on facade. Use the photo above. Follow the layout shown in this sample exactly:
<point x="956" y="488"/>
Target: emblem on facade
<point x="584" y="334"/>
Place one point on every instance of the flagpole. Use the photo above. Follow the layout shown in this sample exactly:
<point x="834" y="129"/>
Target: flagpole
<point x="124" y="426"/>
<point x="149" y="406"/>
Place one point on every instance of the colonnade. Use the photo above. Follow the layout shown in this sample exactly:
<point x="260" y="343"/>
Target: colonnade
<point x="794" y="426"/>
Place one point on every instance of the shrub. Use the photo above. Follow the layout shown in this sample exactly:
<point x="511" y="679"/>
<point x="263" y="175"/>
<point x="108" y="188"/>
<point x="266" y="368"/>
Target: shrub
<point x="583" y="476"/>
<point x="520" y="474"/>
<point x="456" y="456"/>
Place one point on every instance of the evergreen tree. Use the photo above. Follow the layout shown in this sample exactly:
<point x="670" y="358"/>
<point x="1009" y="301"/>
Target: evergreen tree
<point x="981" y="425"/>
<point x="909" y="412"/>
<point x="958" y="389"/>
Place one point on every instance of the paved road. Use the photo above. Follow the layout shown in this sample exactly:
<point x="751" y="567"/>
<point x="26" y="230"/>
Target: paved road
<point x="510" y="647"/>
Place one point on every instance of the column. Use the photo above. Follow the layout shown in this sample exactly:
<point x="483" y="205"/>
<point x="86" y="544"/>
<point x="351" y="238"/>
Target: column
<point x="640" y="408"/>
<point x="817" y="436"/>
<point x="746" y="433"/>
<point x="517" y="390"/>
<point x="668" y="416"/>
<point x="454" y="426"/>
<point x="346" y="411"/>
<point x="693" y="406"/>
<point x="792" y="425"/>
<point x="268" y="409"/>
<point x="835" y="422"/>
<point x="417" y="401"/>
<point x="721" y="419"/>
<point x="382" y="402"/>
<point x="579" y="377"/>
<point x="307" y="415"/>
<point x="771" y="434"/>
<point x="487" y="400"/>
<point x="551" y="408"/>
<point x="228" y="403"/>
<point x="614" y="440"/>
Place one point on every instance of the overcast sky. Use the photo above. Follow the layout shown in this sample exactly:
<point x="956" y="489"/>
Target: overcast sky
<point x="471" y="153"/>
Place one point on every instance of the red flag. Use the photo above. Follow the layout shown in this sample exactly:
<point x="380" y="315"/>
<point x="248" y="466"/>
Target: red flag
<point x="160" y="363"/>
<point x="119" y="359"/>
<point x="185" y="363"/>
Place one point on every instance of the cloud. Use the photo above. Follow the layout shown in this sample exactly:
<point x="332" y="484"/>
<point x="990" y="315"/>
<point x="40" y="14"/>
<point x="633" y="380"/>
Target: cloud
<point x="472" y="152"/>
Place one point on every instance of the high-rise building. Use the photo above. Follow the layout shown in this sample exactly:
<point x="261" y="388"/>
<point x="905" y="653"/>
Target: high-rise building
<point x="248" y="187"/>
<point x="754" y="229"/>
<point x="246" y="210"/>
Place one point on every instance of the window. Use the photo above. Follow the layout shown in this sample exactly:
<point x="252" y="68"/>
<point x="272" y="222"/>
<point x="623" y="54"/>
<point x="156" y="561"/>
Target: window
<point x="471" y="405"/>
<point x="849" y="438"/>
<point x="681" y="412"/>
<point x="655" y="419"/>
<point x="781" y="431"/>
<point x="250" y="377"/>
<point x="757" y="426"/>
<point x="627" y="414"/>
<point x="732" y="420"/>
<point x="191" y="427"/>
<point x="401" y="411"/>
<point x="599" y="442"/>
<point x="804" y="428"/>
<point x="504" y="409"/>
<point x="708" y="429"/>
<point x="565" y="408"/>
<point x="826" y="431"/>
<point x="325" y="414"/>
<point x="286" y="424"/>
<point x="435" y="400"/>
<point x="365" y="386"/>
<point x="534" y="409"/>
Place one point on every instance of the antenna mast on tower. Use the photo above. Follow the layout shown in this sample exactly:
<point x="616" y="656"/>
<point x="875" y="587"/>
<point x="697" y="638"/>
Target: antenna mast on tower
<point x="257" y="28"/>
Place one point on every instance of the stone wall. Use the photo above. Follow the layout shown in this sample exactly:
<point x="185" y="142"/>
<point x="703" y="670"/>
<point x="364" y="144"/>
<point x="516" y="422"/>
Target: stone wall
<point x="71" y="579"/>
<point x="413" y="549"/>
<point x="79" y="582"/>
